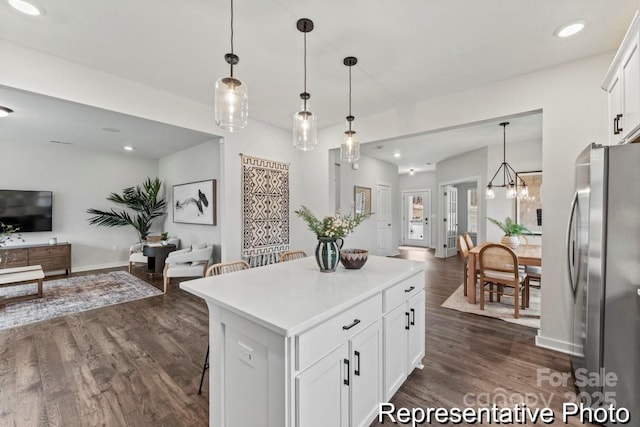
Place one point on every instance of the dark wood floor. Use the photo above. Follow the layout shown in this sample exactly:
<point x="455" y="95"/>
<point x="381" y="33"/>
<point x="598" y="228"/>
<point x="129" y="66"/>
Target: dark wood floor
<point x="139" y="363"/>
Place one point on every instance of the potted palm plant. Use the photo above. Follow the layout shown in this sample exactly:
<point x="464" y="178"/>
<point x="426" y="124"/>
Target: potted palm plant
<point x="512" y="231"/>
<point x="143" y="204"/>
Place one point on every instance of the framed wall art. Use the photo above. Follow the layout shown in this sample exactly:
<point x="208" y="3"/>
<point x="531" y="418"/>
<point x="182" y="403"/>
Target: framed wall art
<point x="195" y="202"/>
<point x="529" y="209"/>
<point x="362" y="200"/>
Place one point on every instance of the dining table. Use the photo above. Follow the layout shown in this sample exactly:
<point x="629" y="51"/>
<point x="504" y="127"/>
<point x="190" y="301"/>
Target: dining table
<point x="527" y="255"/>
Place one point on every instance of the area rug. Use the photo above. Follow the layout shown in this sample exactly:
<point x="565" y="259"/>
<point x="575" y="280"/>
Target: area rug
<point x="500" y="310"/>
<point x="72" y="295"/>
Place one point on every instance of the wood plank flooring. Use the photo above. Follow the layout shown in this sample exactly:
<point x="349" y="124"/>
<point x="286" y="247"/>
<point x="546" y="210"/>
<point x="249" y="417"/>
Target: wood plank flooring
<point x="139" y="363"/>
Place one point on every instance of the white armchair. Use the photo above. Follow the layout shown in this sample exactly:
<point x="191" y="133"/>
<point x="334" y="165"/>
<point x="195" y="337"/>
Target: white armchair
<point x="136" y="256"/>
<point x="187" y="263"/>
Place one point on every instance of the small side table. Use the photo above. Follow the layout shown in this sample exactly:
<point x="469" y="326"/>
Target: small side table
<point x="156" y="256"/>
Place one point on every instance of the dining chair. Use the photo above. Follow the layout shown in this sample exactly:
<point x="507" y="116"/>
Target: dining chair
<point x="533" y="272"/>
<point x="469" y="241"/>
<point x="499" y="268"/>
<point x="291" y="255"/>
<point x="216" y="270"/>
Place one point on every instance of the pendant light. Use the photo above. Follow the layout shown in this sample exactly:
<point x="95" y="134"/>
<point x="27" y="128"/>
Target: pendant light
<point x="350" y="147"/>
<point x="231" y="95"/>
<point x="511" y="181"/>
<point x="305" y="127"/>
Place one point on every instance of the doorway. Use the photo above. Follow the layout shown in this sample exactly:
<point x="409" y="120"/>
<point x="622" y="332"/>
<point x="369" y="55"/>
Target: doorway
<point x="383" y="216"/>
<point x="416" y="213"/>
<point x="459" y="207"/>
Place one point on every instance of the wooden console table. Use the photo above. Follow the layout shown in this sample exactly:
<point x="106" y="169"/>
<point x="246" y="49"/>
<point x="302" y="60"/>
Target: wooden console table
<point x="50" y="257"/>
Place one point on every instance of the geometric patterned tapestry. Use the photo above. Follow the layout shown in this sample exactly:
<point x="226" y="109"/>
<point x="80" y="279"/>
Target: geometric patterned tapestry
<point x="265" y="210"/>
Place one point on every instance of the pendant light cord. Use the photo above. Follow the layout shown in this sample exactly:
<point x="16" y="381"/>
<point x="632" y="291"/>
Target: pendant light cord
<point x="305" y="70"/>
<point x="231" y="65"/>
<point x="350" y="115"/>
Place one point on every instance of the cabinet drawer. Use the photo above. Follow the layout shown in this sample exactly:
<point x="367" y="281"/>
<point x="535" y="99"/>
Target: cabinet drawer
<point x="320" y="340"/>
<point x="52" y="263"/>
<point x="49" y="251"/>
<point x="14" y="255"/>
<point x="399" y="293"/>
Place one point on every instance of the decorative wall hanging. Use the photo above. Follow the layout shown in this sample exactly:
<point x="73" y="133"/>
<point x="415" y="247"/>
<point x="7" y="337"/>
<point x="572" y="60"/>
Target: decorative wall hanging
<point x="195" y="202"/>
<point x="529" y="209"/>
<point x="265" y="210"/>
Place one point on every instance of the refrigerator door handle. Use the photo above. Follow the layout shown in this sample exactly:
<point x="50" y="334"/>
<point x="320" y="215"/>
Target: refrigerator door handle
<point x="571" y="246"/>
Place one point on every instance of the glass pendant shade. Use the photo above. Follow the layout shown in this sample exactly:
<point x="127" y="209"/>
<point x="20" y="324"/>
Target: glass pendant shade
<point x="511" y="190"/>
<point x="490" y="193"/>
<point x="305" y="130"/>
<point x="231" y="104"/>
<point x="350" y="147"/>
<point x="523" y="192"/>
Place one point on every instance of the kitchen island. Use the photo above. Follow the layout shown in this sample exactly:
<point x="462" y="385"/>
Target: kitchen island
<point x="291" y="346"/>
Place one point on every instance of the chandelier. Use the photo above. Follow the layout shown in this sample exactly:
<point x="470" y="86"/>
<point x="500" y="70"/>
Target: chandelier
<point x="511" y="181"/>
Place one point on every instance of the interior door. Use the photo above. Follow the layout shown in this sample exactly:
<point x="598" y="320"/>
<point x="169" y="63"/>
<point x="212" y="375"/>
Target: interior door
<point x="383" y="216"/>
<point x="416" y="209"/>
<point x="450" y="221"/>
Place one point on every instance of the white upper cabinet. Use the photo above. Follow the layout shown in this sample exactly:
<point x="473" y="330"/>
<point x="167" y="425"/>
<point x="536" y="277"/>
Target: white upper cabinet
<point x="622" y="83"/>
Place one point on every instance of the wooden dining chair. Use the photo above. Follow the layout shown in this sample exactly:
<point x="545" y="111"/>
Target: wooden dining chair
<point x="533" y="272"/>
<point x="469" y="241"/>
<point x="291" y="255"/>
<point x="216" y="270"/>
<point x="499" y="268"/>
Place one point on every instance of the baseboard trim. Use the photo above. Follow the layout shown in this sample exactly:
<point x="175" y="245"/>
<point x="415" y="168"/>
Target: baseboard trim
<point x="557" y="345"/>
<point x="100" y="266"/>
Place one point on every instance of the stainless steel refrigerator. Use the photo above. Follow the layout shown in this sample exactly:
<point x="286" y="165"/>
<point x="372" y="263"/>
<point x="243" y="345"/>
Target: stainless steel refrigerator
<point x="603" y="255"/>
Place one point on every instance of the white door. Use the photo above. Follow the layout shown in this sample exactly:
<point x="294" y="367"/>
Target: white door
<point x="323" y="392"/>
<point x="450" y="221"/>
<point x="366" y="375"/>
<point x="415" y="215"/>
<point x="383" y="216"/>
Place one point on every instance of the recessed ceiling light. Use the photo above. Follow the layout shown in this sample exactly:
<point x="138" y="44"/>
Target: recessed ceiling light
<point x="396" y="155"/>
<point x="61" y="142"/>
<point x="27" y="7"/>
<point x="128" y="148"/>
<point x="570" y="29"/>
<point x="4" y="111"/>
<point x="114" y="130"/>
<point x="411" y="171"/>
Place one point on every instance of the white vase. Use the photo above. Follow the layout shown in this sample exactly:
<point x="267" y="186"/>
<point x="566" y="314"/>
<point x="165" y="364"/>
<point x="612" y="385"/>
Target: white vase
<point x="512" y="241"/>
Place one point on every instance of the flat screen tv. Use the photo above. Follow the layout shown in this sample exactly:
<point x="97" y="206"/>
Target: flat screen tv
<point x="28" y="210"/>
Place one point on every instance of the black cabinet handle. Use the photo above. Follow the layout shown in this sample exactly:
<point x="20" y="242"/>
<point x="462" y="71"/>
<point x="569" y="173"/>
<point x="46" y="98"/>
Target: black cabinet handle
<point x="408" y="323"/>
<point x="346" y="378"/>
<point x="410" y="289"/>
<point x="617" y="128"/>
<point x="354" y="323"/>
<point x="413" y="317"/>
<point x="356" y="371"/>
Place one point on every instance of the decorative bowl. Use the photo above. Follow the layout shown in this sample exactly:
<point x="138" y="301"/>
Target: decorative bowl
<point x="353" y="259"/>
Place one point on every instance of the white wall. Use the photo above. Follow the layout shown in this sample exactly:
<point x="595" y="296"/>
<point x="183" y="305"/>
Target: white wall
<point x="198" y="163"/>
<point x="574" y="114"/>
<point x="523" y="157"/>
<point x="370" y="172"/>
<point x="79" y="180"/>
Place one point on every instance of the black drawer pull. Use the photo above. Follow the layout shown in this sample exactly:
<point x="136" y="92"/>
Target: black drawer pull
<point x="356" y="371"/>
<point x="346" y="379"/>
<point x="413" y="317"/>
<point x="355" y="322"/>
<point x="408" y="323"/>
<point x="410" y="289"/>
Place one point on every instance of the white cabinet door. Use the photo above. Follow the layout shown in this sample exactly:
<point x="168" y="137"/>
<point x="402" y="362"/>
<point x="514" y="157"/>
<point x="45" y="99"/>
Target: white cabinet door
<point x="416" y="331"/>
<point x="366" y="375"/>
<point x="630" y="74"/>
<point x="615" y="109"/>
<point x="395" y="350"/>
<point x="322" y="392"/>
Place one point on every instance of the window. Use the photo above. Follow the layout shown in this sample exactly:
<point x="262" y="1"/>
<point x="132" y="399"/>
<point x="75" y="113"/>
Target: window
<point x="472" y="210"/>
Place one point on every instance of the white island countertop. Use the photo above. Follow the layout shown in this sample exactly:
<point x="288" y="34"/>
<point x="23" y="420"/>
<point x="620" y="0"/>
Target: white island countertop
<point x="291" y="296"/>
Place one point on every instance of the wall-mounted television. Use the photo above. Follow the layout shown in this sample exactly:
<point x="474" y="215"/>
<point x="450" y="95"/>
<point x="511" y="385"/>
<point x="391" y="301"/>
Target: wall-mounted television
<point x="28" y="210"/>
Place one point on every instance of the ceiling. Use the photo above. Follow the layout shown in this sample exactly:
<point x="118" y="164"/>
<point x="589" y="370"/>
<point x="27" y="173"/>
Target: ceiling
<point x="39" y="119"/>
<point x="422" y="152"/>
<point x="407" y="53"/>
